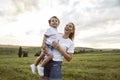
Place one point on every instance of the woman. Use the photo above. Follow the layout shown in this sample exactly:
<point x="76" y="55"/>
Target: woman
<point x="65" y="48"/>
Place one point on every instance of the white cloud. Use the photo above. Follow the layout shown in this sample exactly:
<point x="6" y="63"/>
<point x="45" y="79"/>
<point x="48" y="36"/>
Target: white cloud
<point x="97" y="22"/>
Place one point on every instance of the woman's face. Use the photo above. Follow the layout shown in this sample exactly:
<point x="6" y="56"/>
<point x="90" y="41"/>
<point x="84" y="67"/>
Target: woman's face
<point x="69" y="28"/>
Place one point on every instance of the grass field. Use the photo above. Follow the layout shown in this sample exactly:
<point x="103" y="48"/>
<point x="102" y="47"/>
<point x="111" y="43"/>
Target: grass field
<point x="82" y="67"/>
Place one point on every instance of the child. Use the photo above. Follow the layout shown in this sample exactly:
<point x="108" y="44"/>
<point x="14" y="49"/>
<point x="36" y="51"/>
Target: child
<point x="49" y="37"/>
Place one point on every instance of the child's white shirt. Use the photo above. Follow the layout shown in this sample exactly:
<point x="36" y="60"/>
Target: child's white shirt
<point x="51" y="35"/>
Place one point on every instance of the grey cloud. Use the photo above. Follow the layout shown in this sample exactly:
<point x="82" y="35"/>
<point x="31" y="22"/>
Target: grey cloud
<point x="110" y="36"/>
<point x="20" y="6"/>
<point x="103" y="38"/>
<point x="108" y="3"/>
<point x="29" y="32"/>
<point x="67" y="2"/>
<point x="102" y="17"/>
<point x="101" y="13"/>
<point x="25" y="5"/>
<point x="17" y="7"/>
<point x="99" y="16"/>
<point x="64" y="2"/>
<point x="1" y="13"/>
<point x="95" y="42"/>
<point x="104" y="11"/>
<point x="76" y="3"/>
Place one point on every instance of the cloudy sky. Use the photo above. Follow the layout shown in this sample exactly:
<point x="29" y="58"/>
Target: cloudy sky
<point x="23" y="22"/>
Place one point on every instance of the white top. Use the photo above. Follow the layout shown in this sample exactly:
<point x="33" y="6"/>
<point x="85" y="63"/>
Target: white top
<point x="51" y="35"/>
<point x="66" y="44"/>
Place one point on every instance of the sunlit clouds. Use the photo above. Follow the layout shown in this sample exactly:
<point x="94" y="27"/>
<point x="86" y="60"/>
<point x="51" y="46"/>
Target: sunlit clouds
<point x="23" y="22"/>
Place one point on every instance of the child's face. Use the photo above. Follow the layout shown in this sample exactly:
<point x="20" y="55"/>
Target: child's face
<point x="54" y="22"/>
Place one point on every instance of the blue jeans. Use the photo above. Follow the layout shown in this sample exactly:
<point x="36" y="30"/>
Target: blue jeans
<point x="53" y="71"/>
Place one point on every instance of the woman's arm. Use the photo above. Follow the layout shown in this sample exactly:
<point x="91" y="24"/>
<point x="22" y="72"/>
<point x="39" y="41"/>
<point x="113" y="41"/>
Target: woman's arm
<point x="67" y="56"/>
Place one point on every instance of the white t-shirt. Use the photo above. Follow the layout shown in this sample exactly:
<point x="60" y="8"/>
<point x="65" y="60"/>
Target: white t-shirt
<point x="66" y="44"/>
<point x="51" y="35"/>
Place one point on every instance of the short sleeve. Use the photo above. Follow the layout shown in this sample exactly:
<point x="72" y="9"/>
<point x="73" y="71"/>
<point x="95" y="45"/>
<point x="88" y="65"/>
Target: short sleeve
<point x="71" y="48"/>
<point x="48" y="32"/>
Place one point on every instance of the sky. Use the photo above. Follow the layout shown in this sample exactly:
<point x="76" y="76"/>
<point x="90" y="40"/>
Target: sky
<point x="97" y="22"/>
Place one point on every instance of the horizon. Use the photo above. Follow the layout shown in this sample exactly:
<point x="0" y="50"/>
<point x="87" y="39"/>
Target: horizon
<point x="1" y="45"/>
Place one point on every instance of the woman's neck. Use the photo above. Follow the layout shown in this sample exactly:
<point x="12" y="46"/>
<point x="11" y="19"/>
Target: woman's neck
<point x="65" y="36"/>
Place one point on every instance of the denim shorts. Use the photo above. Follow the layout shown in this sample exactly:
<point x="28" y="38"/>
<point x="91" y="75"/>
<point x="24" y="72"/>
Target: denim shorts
<point x="53" y="70"/>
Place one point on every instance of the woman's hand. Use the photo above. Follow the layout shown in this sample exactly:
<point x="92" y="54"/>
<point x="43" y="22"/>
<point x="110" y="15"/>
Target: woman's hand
<point x="55" y="45"/>
<point x="66" y="55"/>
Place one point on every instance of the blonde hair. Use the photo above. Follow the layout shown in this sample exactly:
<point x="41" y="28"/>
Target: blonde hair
<point x="71" y="36"/>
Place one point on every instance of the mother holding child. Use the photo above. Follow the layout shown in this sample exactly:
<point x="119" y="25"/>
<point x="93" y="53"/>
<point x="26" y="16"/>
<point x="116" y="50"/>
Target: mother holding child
<point x="55" y="46"/>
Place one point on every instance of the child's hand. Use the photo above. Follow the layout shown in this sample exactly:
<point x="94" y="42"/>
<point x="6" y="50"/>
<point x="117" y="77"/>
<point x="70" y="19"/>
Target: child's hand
<point x="45" y="50"/>
<point x="42" y="48"/>
<point x="55" y="45"/>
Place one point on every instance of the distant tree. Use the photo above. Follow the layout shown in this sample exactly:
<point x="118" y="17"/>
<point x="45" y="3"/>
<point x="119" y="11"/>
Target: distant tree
<point x="25" y="53"/>
<point x="82" y="51"/>
<point x="38" y="53"/>
<point x="20" y="52"/>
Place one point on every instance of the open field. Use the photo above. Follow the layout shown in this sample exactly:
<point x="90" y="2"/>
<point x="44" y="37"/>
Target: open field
<point x="89" y="66"/>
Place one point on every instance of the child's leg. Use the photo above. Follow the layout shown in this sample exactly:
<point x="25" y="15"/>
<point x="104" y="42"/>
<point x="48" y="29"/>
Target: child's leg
<point x="49" y="57"/>
<point x="41" y="67"/>
<point x="38" y="59"/>
<point x="33" y="66"/>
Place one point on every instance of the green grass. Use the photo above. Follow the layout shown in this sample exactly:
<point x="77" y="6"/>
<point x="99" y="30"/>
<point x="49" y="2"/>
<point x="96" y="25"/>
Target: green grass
<point x="82" y="67"/>
<point x="93" y="67"/>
